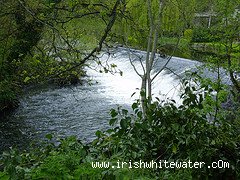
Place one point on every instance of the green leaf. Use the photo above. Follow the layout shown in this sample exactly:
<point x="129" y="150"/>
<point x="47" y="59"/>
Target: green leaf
<point x="134" y="106"/>
<point x="173" y="101"/>
<point x="175" y="127"/>
<point x="174" y="148"/>
<point x="49" y="136"/>
<point x="121" y="73"/>
<point x="142" y="93"/>
<point x="26" y="79"/>
<point x="113" y="65"/>
<point x="105" y="70"/>
<point x="112" y="121"/>
<point x="109" y="131"/>
<point x="113" y="113"/>
<point x="4" y="176"/>
<point x="98" y="133"/>
<point x="139" y="114"/>
<point x="133" y="94"/>
<point x="124" y="111"/>
<point x="123" y="124"/>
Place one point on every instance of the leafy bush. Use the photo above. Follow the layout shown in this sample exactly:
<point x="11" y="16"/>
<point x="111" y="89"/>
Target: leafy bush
<point x="202" y="34"/>
<point x="188" y="34"/>
<point x="167" y="132"/>
<point x="171" y="133"/>
<point x="7" y="95"/>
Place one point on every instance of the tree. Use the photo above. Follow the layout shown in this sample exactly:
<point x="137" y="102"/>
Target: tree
<point x="54" y="22"/>
<point x="228" y="28"/>
<point x="45" y="40"/>
<point x="156" y="27"/>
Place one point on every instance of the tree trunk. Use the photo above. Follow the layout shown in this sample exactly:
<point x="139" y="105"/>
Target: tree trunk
<point x="143" y="95"/>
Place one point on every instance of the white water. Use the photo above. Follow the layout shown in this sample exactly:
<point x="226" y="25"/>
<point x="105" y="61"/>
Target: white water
<point x="120" y="87"/>
<point x="83" y="109"/>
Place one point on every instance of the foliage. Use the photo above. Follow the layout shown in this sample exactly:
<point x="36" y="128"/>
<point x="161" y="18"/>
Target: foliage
<point x="167" y="45"/>
<point x="8" y="99"/>
<point x="167" y="132"/>
<point x="46" y="39"/>
<point x="50" y="41"/>
<point x="188" y="33"/>
<point x="173" y="133"/>
<point x="201" y="34"/>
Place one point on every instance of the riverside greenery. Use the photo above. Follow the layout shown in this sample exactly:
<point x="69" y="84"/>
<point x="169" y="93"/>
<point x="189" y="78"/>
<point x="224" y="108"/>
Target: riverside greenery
<point x="168" y="132"/>
<point x="42" y="40"/>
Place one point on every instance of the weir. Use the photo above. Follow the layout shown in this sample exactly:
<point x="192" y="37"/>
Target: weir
<point x="83" y="109"/>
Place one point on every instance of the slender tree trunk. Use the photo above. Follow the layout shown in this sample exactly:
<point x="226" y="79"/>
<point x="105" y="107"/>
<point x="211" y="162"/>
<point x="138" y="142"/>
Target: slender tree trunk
<point x="148" y="67"/>
<point x="147" y="77"/>
<point x="152" y="46"/>
<point x="154" y="49"/>
<point x="218" y="90"/>
<point x="146" y="87"/>
<point x="143" y="95"/>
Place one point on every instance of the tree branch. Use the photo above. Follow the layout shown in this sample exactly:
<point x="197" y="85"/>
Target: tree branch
<point x="99" y="47"/>
<point x="169" y="58"/>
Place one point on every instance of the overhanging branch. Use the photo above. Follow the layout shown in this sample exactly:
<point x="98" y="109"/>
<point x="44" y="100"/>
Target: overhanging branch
<point x="100" y="44"/>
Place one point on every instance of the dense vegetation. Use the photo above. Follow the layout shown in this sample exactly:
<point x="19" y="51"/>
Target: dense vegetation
<point x="167" y="133"/>
<point x="51" y="41"/>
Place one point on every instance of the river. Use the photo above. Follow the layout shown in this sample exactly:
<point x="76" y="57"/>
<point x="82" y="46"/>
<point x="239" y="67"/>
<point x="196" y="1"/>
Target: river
<point x="83" y="109"/>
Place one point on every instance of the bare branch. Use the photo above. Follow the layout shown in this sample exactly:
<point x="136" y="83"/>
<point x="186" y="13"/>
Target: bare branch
<point x="168" y="60"/>
<point x="173" y="72"/>
<point x="99" y="47"/>
<point x="134" y="67"/>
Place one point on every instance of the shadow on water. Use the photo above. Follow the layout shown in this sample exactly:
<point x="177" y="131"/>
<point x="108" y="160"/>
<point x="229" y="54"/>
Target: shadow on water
<point x="13" y="133"/>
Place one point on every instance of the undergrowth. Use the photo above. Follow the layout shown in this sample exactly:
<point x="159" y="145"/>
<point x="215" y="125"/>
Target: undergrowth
<point x="167" y="132"/>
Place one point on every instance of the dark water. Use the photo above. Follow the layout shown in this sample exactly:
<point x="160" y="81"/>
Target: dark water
<point x="84" y="109"/>
<point x="79" y="111"/>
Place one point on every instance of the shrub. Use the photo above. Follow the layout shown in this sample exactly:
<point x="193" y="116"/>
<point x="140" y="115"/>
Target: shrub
<point x="188" y="34"/>
<point x="202" y="34"/>
<point x="173" y="133"/>
<point x="167" y="132"/>
<point x="8" y="100"/>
